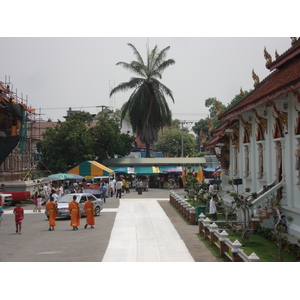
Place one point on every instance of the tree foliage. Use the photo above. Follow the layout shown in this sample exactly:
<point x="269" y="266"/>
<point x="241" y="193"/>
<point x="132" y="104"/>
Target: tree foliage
<point x="170" y="141"/>
<point x="147" y="106"/>
<point x="75" y="140"/>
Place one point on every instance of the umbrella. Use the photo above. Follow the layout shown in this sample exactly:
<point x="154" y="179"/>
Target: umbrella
<point x="49" y="179"/>
<point x="120" y="170"/>
<point x="75" y="176"/>
<point x="61" y="176"/>
<point x="173" y="170"/>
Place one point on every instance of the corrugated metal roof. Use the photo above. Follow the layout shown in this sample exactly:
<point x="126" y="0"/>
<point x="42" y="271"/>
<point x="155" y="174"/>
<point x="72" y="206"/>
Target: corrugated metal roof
<point x="168" y="161"/>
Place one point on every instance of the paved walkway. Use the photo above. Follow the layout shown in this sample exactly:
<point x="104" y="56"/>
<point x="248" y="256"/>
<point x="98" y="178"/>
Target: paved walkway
<point x="143" y="233"/>
<point x="148" y="229"/>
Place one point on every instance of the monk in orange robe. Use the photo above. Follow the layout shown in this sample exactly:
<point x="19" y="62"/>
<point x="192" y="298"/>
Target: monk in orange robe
<point x="90" y="212"/>
<point x="74" y="208"/>
<point x="51" y="208"/>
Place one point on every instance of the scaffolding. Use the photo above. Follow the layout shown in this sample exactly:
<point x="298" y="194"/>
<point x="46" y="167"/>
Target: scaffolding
<point x="20" y="163"/>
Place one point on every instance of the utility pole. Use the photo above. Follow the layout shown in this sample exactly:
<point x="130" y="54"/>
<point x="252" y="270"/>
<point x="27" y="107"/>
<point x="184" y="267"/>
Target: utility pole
<point x="183" y="122"/>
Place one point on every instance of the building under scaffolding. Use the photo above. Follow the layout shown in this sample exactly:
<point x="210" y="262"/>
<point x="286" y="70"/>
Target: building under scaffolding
<point x="19" y="132"/>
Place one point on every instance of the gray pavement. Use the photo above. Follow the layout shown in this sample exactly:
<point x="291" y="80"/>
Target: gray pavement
<point x="186" y="232"/>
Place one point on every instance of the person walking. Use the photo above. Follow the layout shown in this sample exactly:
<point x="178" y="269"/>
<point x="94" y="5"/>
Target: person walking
<point x="35" y="197"/>
<point x="213" y="208"/>
<point x="90" y="212"/>
<point x="103" y="190"/>
<point x="119" y="189"/>
<point x="39" y="202"/>
<point x="74" y="208"/>
<point x="51" y="208"/>
<point x="19" y="216"/>
<point x="46" y="191"/>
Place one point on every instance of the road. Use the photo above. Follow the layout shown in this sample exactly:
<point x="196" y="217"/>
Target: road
<point x="38" y="244"/>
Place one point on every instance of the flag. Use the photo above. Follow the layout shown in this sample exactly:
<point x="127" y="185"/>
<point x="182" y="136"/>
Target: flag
<point x="183" y="174"/>
<point x="217" y="170"/>
<point x="200" y="176"/>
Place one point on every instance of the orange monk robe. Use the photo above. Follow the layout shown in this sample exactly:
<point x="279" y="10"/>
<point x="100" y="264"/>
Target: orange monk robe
<point x="52" y="212"/>
<point x="74" y="213"/>
<point x="90" y="213"/>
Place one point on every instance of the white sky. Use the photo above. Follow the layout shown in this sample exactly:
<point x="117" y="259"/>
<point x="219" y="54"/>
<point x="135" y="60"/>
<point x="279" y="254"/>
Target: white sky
<point x="58" y="73"/>
<point x="75" y="65"/>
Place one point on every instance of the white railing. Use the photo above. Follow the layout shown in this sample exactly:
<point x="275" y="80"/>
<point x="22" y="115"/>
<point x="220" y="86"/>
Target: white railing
<point x="264" y="200"/>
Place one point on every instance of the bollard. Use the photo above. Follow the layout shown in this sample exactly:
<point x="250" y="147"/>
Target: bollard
<point x="213" y="238"/>
<point x="193" y="216"/>
<point x="206" y="225"/>
<point x="200" y="222"/>
<point x="223" y="247"/>
<point x="235" y="257"/>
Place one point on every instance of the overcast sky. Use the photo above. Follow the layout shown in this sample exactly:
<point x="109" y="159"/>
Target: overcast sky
<point x="64" y="54"/>
<point x="58" y="73"/>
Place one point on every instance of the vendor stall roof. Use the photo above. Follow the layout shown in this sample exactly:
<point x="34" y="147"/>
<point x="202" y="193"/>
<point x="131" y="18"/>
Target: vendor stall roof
<point x="91" y="168"/>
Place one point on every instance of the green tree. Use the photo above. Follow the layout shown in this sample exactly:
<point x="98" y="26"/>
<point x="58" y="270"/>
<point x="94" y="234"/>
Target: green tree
<point x="169" y="142"/>
<point x="147" y="107"/>
<point x="73" y="141"/>
<point x="66" y="144"/>
<point x="107" y="139"/>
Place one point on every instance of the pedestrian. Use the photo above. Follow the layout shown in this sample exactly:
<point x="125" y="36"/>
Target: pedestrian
<point x="213" y="208"/>
<point x="46" y="191"/>
<point x="103" y="190"/>
<point x="35" y="197"/>
<point x="126" y="186"/>
<point x="119" y="188"/>
<point x="211" y="188"/>
<point x="111" y="188"/>
<point x="39" y="203"/>
<point x="74" y="208"/>
<point x="51" y="208"/>
<point x="1" y="212"/>
<point x="55" y="195"/>
<point x="90" y="212"/>
<point x="19" y="216"/>
<point x="60" y="191"/>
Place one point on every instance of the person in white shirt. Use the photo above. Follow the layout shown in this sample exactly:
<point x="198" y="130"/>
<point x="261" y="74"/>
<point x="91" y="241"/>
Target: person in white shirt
<point x="60" y="191"/>
<point x="213" y="208"/>
<point x="46" y="191"/>
<point x="119" y="188"/>
<point x="55" y="196"/>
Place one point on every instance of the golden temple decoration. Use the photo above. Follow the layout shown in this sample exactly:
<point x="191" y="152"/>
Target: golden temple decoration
<point x="218" y="108"/>
<point x="281" y="115"/>
<point x="294" y="40"/>
<point x="210" y="125"/>
<point x="242" y="93"/>
<point x="247" y="130"/>
<point x="296" y="94"/>
<point x="262" y="121"/>
<point x="203" y="138"/>
<point x="255" y="78"/>
<point x="268" y="57"/>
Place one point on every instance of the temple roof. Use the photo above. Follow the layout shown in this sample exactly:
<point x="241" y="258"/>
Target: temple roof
<point x="280" y="82"/>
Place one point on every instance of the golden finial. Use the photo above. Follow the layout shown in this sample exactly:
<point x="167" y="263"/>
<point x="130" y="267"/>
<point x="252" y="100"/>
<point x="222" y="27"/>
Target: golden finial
<point x="255" y="78"/>
<point x="203" y="138"/>
<point x="218" y="108"/>
<point x="210" y="124"/>
<point x="294" y="40"/>
<point x="268" y="57"/>
<point x="242" y="93"/>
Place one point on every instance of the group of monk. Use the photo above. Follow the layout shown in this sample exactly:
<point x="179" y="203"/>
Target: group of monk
<point x="74" y="208"/>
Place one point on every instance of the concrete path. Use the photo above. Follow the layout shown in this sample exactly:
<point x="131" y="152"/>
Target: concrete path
<point x="142" y="232"/>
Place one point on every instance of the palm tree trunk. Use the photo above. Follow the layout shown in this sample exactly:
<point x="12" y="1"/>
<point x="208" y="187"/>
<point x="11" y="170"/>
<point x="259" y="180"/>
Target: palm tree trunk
<point x="147" y="150"/>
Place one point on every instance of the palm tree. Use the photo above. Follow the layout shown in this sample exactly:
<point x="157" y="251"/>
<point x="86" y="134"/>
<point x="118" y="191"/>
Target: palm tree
<point x="147" y="107"/>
